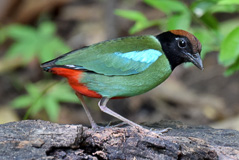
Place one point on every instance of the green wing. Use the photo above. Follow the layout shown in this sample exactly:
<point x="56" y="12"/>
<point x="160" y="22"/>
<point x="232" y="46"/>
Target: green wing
<point x="122" y="56"/>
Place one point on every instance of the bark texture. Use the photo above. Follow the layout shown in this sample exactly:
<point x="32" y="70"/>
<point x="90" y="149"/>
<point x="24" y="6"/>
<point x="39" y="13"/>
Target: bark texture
<point x="37" y="139"/>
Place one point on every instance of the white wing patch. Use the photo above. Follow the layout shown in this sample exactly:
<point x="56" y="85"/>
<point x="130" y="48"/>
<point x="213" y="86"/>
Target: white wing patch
<point x="73" y="66"/>
<point x="70" y="66"/>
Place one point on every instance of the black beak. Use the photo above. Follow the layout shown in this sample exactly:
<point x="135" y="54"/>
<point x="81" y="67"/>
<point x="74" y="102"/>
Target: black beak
<point x="195" y="59"/>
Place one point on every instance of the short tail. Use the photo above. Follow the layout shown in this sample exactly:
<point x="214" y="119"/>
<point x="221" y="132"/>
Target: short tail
<point x="48" y="65"/>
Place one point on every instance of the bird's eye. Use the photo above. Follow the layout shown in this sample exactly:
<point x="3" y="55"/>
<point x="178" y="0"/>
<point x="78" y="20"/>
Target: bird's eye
<point x="182" y="43"/>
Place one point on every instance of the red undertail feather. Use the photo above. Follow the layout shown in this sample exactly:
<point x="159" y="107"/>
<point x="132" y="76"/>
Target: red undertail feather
<point x="74" y="77"/>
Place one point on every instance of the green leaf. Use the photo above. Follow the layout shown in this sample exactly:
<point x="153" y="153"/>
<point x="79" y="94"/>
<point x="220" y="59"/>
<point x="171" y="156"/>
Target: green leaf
<point x="30" y="42"/>
<point x="63" y="93"/>
<point x="210" y="20"/>
<point x="45" y="96"/>
<point x="2" y="35"/>
<point x="69" y="97"/>
<point x="179" y="22"/>
<point x="223" y="2"/>
<point x="22" y="101"/>
<point x="167" y="6"/>
<point x="52" y="108"/>
<point x="224" y="8"/>
<point x="131" y="15"/>
<point x="137" y="27"/>
<point x="141" y="21"/>
<point x="229" y="25"/>
<point x="16" y="50"/>
<point x="37" y="105"/>
<point x="207" y="39"/>
<point x="25" y="51"/>
<point x="200" y="7"/>
<point x="55" y="47"/>
<point x="47" y="29"/>
<point x="230" y="49"/>
<point x="179" y="16"/>
<point x="20" y="32"/>
<point x="33" y="90"/>
<point x="233" y="68"/>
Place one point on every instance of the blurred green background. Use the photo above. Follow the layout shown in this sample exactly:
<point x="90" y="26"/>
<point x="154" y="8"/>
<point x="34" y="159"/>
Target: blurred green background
<point x="32" y="32"/>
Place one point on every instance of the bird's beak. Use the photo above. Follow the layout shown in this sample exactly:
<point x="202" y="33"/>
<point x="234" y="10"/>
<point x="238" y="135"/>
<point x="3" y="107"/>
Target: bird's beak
<point x="195" y="59"/>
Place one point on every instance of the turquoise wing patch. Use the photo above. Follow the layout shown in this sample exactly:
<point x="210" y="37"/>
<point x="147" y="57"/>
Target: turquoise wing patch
<point x="145" y="56"/>
<point x="133" y="62"/>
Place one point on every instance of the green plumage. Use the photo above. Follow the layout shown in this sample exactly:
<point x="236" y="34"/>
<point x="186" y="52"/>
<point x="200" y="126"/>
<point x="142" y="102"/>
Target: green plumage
<point x="119" y="75"/>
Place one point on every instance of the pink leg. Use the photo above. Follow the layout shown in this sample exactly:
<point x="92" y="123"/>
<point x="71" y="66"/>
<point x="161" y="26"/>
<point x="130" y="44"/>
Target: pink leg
<point x="92" y="122"/>
<point x="102" y="104"/>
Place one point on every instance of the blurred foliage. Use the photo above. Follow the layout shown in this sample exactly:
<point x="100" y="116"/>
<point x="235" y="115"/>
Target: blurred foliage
<point x="200" y="19"/>
<point x="41" y="43"/>
<point x="45" y="96"/>
<point x="30" y="42"/>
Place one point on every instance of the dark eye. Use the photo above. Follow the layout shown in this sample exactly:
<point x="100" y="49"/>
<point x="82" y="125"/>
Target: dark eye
<point x="182" y="43"/>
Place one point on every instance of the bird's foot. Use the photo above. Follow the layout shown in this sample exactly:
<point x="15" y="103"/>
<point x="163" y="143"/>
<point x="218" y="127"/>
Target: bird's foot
<point x="109" y="124"/>
<point x="97" y="127"/>
<point x="152" y="131"/>
<point x="120" y="124"/>
<point x="160" y="132"/>
<point x="141" y="128"/>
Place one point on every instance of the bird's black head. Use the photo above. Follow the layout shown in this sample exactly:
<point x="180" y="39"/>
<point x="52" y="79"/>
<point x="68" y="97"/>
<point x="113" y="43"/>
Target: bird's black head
<point x="180" y="46"/>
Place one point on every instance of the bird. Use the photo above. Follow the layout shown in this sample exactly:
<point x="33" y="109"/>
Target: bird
<point x="124" y="67"/>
